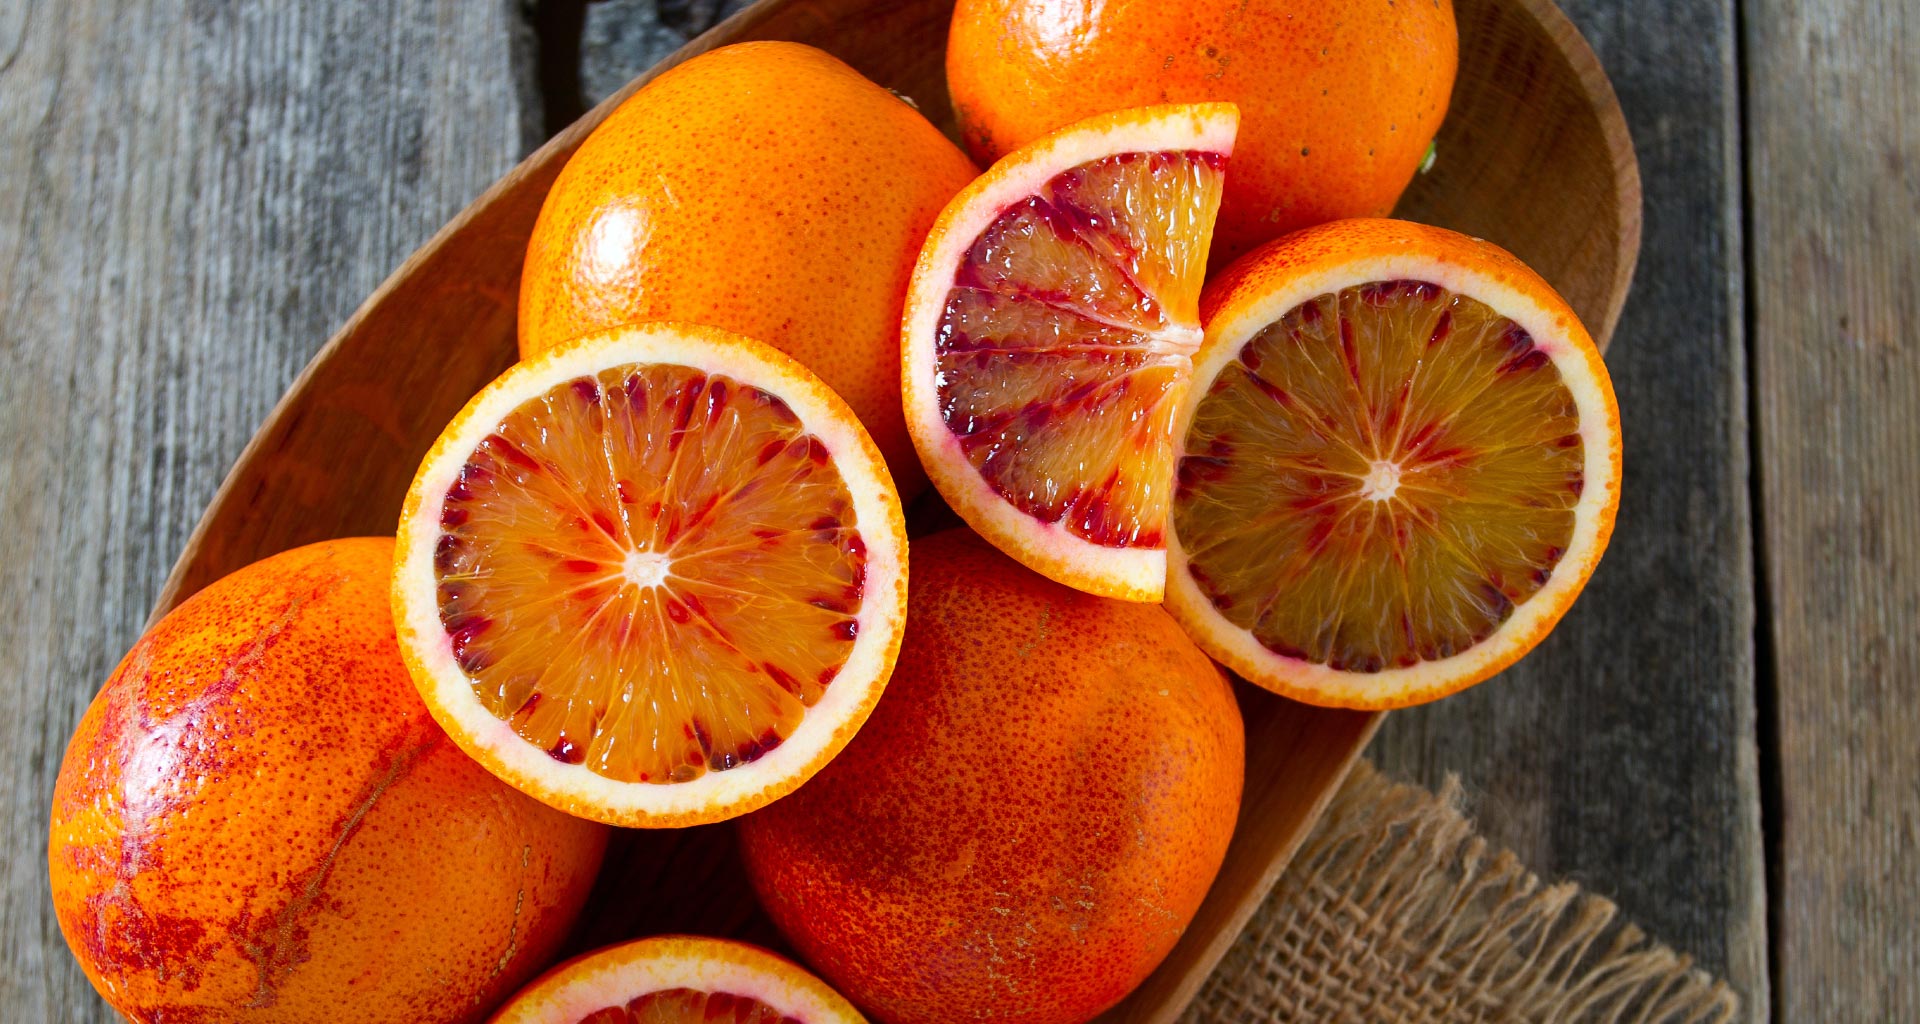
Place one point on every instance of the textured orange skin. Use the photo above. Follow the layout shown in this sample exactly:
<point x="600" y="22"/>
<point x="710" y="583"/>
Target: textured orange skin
<point x="1029" y="819"/>
<point x="1280" y="262"/>
<point x="257" y="821"/>
<point x="764" y="188"/>
<point x="1338" y="98"/>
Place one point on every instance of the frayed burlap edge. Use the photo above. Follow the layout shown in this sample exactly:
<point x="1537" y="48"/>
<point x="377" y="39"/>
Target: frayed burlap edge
<point x="1394" y="910"/>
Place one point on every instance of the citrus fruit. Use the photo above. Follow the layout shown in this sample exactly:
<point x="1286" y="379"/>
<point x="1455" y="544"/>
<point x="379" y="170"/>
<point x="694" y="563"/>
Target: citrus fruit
<point x="1032" y="816"/>
<point x="676" y="979"/>
<point x="1048" y="336"/>
<point x="655" y="577"/>
<point x="1399" y="464"/>
<point x="1339" y="99"/>
<point x="256" y="820"/>
<point x="765" y="188"/>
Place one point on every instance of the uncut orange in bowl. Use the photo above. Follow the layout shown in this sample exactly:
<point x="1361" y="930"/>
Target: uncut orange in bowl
<point x="678" y="979"/>
<point x="1049" y="334"/>
<point x="1399" y="465"/>
<point x="257" y="820"/>
<point x="1030" y="820"/>
<point x="655" y="577"/>
<point x="1339" y="99"/>
<point x="764" y="188"/>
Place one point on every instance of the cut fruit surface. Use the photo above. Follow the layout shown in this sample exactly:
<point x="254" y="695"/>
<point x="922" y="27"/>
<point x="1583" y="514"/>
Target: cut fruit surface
<point x="678" y="980"/>
<point x="1398" y="466"/>
<point x="656" y="577"/>
<point x="1049" y="334"/>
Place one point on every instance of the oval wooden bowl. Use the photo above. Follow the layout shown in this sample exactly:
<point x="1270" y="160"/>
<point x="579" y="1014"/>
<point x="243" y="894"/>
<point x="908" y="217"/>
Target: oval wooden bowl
<point x="1534" y="155"/>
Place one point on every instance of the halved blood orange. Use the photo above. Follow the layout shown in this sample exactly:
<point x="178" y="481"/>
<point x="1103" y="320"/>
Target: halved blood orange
<point x="655" y="577"/>
<point x="1398" y="466"/>
<point x="678" y="980"/>
<point x="1048" y="337"/>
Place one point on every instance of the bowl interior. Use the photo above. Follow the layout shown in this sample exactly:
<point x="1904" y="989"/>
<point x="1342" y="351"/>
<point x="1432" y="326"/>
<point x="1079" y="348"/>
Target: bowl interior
<point x="1534" y="156"/>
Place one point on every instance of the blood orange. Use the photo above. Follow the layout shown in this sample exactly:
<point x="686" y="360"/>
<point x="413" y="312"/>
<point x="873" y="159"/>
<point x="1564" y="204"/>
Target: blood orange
<point x="655" y="577"/>
<point x="1399" y="465"/>
<point x="1339" y="99"/>
<point x="678" y="980"/>
<point x="765" y="188"/>
<point x="1048" y="336"/>
<point x="257" y="822"/>
<point x="1031" y="818"/>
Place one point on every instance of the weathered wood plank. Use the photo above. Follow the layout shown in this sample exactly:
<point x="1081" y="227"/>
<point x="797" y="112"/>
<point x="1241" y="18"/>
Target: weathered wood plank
<point x="621" y="38"/>
<point x="1834" y="166"/>
<point x="1622" y="752"/>
<point x="194" y="196"/>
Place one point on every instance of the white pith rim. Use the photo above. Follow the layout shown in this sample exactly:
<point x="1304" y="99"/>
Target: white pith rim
<point x="1563" y="340"/>
<point x="575" y="788"/>
<point x="619" y="974"/>
<point x="1137" y="574"/>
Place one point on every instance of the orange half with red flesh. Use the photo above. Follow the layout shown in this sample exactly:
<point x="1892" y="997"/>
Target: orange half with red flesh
<point x="655" y="577"/>
<point x="1398" y="467"/>
<point x="678" y="980"/>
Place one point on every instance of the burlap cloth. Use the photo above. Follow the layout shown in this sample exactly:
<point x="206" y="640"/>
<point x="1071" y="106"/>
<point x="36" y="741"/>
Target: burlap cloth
<point x="1394" y="910"/>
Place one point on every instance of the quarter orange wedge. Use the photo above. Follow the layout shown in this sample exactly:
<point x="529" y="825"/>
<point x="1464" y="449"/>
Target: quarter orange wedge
<point x="1048" y="337"/>
<point x="1398" y="466"/>
<point x="654" y="577"/>
<point x="678" y="980"/>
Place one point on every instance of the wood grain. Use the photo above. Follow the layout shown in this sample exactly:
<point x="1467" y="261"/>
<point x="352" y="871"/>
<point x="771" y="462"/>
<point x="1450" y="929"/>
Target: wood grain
<point x="194" y="196"/>
<point x="1622" y="752"/>
<point x="1834" y="167"/>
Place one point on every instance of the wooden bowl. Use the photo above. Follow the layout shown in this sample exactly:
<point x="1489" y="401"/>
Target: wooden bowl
<point x="1534" y="156"/>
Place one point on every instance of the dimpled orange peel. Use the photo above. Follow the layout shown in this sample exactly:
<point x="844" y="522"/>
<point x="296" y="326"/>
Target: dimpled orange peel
<point x="257" y="818"/>
<point x="1339" y="99"/>
<point x="1030" y="820"/>
<point x="765" y="188"/>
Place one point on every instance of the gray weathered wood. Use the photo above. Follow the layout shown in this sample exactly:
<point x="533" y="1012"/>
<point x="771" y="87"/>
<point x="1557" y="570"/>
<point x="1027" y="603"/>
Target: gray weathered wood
<point x="1622" y="752"/>
<point x="1834" y="168"/>
<point x="191" y="197"/>
<point x="621" y="38"/>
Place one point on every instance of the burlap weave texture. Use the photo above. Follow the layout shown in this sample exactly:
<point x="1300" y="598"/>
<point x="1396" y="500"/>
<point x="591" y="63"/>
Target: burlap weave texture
<point x="1394" y="910"/>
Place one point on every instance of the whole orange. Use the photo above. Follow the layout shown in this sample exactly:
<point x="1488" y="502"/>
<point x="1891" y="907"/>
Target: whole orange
<point x="1338" y="99"/>
<point x="764" y="188"/>
<point x="257" y="820"/>
<point x="1029" y="819"/>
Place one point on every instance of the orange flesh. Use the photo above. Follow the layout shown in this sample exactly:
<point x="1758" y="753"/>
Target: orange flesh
<point x="1380" y="477"/>
<point x="653" y="572"/>
<point x="686" y="1006"/>
<point x="1067" y="340"/>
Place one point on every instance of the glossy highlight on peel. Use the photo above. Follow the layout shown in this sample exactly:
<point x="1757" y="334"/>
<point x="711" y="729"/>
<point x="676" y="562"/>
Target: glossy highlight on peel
<point x="764" y="188"/>
<point x="257" y="814"/>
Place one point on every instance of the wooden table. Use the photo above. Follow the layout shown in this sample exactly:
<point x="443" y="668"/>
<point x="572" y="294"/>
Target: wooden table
<point x="1723" y="735"/>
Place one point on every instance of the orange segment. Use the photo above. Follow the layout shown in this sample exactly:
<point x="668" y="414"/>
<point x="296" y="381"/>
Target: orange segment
<point x="1066" y="339"/>
<point x="676" y="979"/>
<point x="1049" y="336"/>
<point x="639" y="570"/>
<point x="1399" y="466"/>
